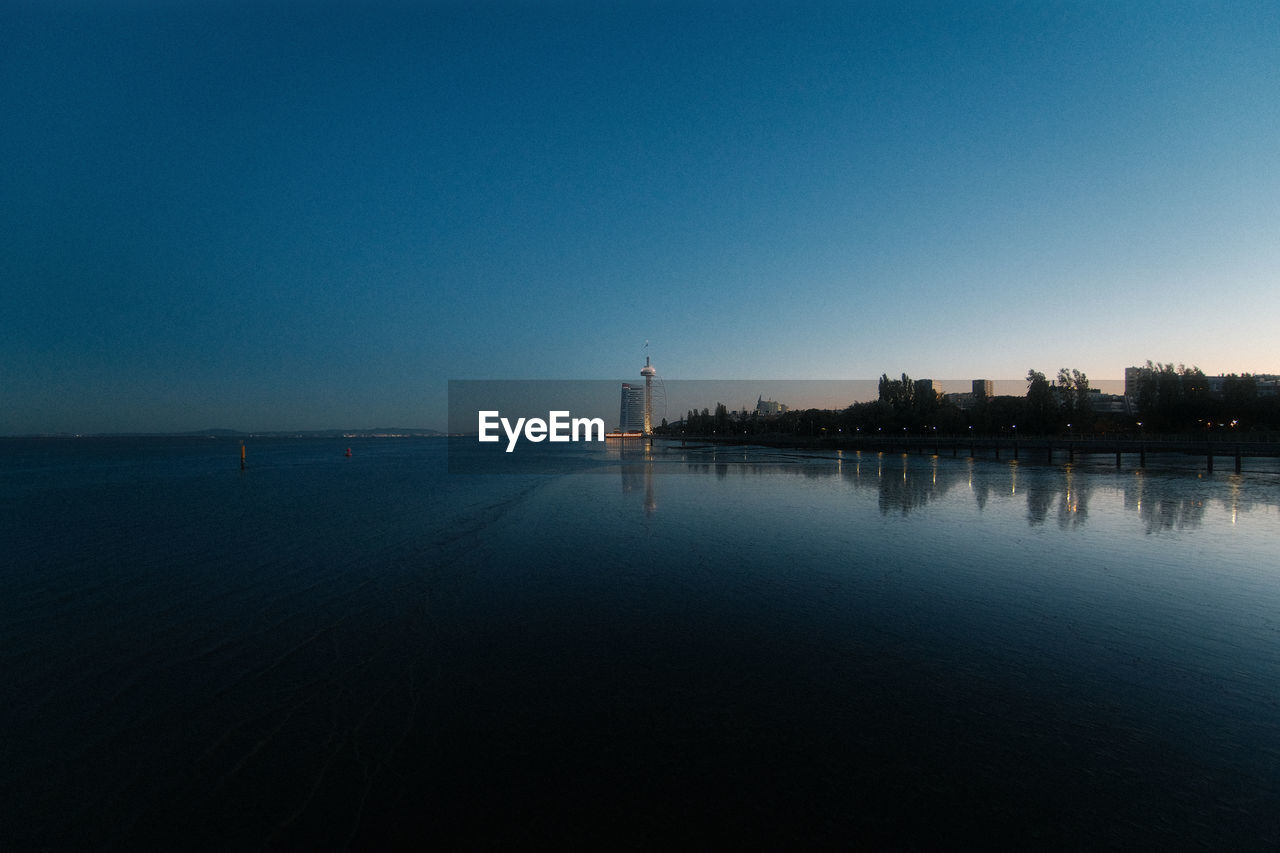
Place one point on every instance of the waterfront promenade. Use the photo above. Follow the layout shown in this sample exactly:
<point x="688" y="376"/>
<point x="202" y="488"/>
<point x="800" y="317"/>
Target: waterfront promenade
<point x="1127" y="450"/>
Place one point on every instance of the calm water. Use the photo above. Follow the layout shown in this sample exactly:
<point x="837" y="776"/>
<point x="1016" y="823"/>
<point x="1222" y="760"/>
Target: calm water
<point x="689" y="646"/>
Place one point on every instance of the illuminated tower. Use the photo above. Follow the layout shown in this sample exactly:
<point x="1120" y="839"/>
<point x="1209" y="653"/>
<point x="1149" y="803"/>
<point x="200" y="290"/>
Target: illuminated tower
<point x="648" y="373"/>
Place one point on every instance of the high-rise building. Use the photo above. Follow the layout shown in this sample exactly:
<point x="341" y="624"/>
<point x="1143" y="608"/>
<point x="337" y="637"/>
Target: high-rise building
<point x="983" y="388"/>
<point x="631" y="415"/>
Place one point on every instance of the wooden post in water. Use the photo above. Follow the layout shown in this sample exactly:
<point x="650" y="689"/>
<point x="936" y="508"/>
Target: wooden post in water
<point x="1209" y="456"/>
<point x="242" y="456"/>
<point x="1117" y="456"/>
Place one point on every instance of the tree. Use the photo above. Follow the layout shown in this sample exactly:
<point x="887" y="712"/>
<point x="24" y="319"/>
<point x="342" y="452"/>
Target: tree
<point x="1172" y="397"/>
<point x="1239" y="391"/>
<point x="1042" y="407"/>
<point x="889" y="390"/>
<point x="1072" y="392"/>
<point x="899" y="396"/>
<point x="1063" y="393"/>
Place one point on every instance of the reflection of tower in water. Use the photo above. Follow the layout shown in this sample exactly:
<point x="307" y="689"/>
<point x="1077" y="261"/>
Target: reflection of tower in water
<point x="637" y="472"/>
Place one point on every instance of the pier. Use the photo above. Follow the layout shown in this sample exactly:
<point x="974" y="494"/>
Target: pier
<point x="1047" y="449"/>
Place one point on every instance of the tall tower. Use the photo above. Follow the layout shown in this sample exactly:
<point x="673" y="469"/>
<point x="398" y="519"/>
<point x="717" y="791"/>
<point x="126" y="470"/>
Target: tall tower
<point x="648" y="372"/>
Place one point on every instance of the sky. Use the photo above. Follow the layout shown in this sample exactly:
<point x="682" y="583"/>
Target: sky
<point x="266" y="215"/>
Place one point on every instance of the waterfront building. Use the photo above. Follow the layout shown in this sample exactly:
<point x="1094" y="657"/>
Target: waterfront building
<point x="1264" y="384"/>
<point x="1110" y="404"/>
<point x="769" y="407"/>
<point x="631" y="414"/>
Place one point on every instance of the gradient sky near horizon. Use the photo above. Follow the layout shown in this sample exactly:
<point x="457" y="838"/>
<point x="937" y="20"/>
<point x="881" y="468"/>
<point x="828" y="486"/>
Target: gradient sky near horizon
<point x="308" y="215"/>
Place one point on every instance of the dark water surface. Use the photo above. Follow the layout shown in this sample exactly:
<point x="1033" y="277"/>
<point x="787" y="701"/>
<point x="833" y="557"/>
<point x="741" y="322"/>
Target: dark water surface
<point x="687" y="646"/>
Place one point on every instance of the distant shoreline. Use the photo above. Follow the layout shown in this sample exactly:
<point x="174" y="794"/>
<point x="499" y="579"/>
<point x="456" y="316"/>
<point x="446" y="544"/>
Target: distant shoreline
<point x="381" y="432"/>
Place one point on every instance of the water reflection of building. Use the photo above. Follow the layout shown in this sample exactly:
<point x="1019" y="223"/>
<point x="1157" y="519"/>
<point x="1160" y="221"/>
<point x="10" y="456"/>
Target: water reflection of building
<point x="1163" y="506"/>
<point x="636" y="468"/>
<point x="637" y="476"/>
<point x="904" y="483"/>
<point x="1061" y="489"/>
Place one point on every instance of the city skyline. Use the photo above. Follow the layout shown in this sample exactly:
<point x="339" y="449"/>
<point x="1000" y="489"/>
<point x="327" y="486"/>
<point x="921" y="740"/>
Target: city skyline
<point x="279" y="216"/>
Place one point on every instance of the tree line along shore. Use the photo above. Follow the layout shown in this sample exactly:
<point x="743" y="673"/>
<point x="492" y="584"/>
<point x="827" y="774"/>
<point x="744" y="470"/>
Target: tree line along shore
<point x="1169" y="401"/>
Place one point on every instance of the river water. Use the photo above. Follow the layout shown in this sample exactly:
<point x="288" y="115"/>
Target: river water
<point x="631" y="647"/>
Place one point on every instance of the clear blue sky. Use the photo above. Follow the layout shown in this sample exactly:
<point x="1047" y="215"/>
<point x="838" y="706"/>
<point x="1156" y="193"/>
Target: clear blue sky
<point x="306" y="215"/>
